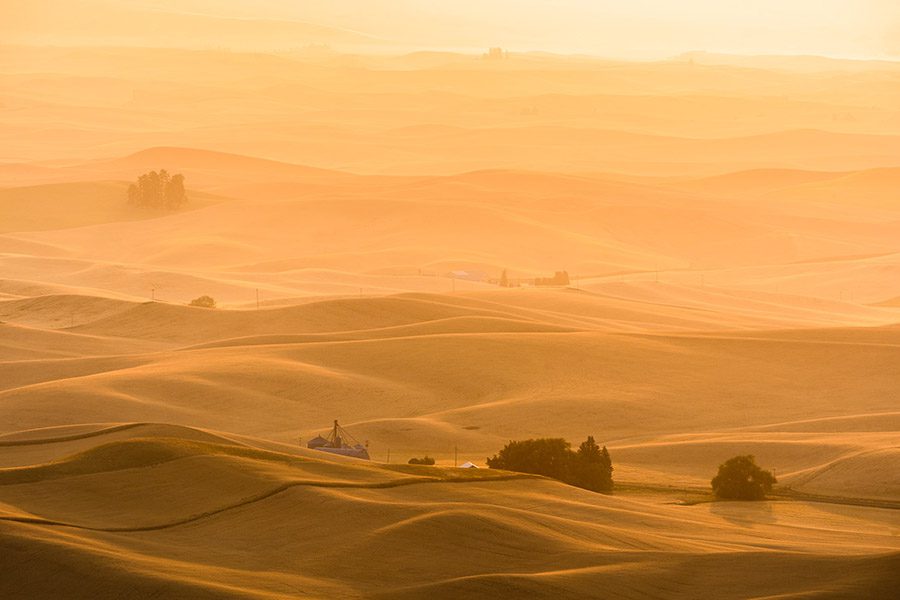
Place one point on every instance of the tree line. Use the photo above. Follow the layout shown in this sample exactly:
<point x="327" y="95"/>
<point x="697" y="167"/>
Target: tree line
<point x="158" y="190"/>
<point x="590" y="467"/>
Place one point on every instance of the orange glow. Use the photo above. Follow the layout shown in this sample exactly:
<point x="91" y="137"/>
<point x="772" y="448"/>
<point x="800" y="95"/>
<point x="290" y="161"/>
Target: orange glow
<point x="635" y="261"/>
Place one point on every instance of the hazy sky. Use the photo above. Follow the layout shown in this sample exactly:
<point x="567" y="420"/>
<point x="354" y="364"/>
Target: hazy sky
<point x="615" y="28"/>
<point x="864" y="28"/>
<point x="836" y="27"/>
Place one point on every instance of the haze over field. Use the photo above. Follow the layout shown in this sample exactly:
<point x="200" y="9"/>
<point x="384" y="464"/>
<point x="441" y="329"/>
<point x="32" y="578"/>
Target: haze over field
<point x="715" y="195"/>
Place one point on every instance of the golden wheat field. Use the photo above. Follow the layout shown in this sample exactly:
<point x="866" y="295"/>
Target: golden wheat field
<point x="447" y="248"/>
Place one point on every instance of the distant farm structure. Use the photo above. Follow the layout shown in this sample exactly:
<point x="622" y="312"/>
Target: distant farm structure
<point x="338" y="441"/>
<point x="496" y="54"/>
<point x="559" y="279"/>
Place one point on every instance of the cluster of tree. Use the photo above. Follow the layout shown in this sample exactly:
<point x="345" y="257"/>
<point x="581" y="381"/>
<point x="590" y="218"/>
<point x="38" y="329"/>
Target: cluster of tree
<point x="158" y="190"/>
<point x="204" y="302"/>
<point x="560" y="278"/>
<point x="740" y="478"/>
<point x="425" y="460"/>
<point x="590" y="467"/>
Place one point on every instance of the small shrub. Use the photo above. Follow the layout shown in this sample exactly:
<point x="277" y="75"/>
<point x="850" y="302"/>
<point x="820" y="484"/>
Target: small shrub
<point x="204" y="302"/>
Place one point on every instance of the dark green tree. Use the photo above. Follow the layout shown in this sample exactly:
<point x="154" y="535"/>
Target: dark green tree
<point x="592" y="467"/>
<point x="740" y="478"/>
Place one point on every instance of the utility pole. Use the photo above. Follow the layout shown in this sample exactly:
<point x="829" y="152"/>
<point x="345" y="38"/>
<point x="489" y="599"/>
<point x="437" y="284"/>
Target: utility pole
<point x="455" y="455"/>
<point x="389" y="456"/>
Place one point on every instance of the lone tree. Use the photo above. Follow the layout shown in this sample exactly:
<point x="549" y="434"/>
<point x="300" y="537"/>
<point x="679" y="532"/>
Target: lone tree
<point x="740" y="478"/>
<point x="204" y="302"/>
<point x="589" y="468"/>
<point x="426" y="460"/>
<point x="158" y="190"/>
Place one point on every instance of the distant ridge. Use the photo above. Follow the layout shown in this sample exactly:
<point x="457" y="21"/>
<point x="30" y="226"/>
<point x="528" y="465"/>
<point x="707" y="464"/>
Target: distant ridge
<point x="196" y="158"/>
<point x="808" y="62"/>
<point x="134" y="24"/>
